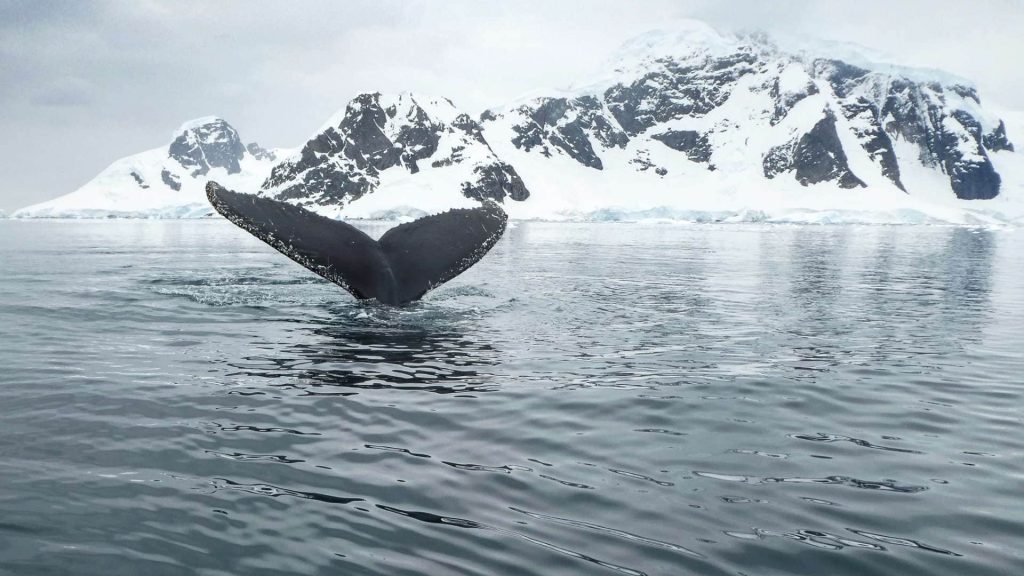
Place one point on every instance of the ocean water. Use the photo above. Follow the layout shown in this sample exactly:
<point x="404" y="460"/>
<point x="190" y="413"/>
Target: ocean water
<point x="178" y="398"/>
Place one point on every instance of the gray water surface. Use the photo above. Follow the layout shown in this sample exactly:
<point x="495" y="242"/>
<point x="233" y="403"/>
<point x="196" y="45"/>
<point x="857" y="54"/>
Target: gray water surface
<point x="178" y="398"/>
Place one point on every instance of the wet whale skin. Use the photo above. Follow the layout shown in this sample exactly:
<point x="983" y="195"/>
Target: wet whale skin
<point x="400" y="267"/>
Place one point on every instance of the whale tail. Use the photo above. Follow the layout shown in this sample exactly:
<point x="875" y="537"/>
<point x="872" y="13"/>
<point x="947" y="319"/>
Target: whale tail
<point x="402" y="266"/>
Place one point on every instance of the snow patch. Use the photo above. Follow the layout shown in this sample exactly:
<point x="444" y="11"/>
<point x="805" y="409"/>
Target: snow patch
<point x="140" y="186"/>
<point x="196" y="123"/>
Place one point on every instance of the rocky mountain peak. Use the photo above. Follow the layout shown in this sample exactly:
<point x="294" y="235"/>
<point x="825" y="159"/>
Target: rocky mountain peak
<point x="168" y="181"/>
<point x="206" y="143"/>
<point x="260" y="153"/>
<point x="749" y="104"/>
<point x="685" y="121"/>
<point x="375" y="133"/>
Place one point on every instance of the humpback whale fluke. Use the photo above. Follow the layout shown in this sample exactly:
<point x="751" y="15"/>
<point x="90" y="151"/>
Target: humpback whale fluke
<point x="402" y="266"/>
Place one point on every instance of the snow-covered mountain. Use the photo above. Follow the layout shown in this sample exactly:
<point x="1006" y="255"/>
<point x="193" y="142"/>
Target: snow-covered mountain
<point x="166" y="182"/>
<point x="691" y="123"/>
<point x="683" y="124"/>
<point x="384" y="156"/>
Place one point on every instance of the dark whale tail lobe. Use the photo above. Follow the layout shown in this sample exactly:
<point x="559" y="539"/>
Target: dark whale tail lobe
<point x="402" y="266"/>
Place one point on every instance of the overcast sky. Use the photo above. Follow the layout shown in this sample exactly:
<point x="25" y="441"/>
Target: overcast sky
<point x="85" y="83"/>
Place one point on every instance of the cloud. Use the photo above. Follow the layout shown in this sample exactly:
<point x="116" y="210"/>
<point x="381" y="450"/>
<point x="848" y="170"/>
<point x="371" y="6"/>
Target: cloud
<point x="69" y="92"/>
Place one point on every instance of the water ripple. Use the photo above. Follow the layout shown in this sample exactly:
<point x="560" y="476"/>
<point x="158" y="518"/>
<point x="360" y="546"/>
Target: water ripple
<point x="276" y="492"/>
<point x="882" y="485"/>
<point x="589" y="398"/>
<point x="821" y="437"/>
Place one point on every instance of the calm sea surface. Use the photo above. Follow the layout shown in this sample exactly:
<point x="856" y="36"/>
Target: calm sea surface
<point x="178" y="398"/>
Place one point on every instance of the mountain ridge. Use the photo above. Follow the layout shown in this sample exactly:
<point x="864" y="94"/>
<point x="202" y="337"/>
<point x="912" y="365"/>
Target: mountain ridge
<point x="165" y="182"/>
<point x="686" y="123"/>
<point x="663" y="78"/>
<point x="381" y="139"/>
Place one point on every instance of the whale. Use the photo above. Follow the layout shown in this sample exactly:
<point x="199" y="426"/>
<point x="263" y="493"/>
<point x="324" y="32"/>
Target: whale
<point x="406" y="262"/>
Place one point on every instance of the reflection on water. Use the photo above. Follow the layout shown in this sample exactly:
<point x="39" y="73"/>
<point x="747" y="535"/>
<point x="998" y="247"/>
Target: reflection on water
<point x="178" y="398"/>
<point x="340" y="358"/>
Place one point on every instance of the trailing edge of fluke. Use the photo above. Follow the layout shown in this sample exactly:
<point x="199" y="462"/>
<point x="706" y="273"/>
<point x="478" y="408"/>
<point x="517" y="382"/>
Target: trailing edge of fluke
<point x="407" y="261"/>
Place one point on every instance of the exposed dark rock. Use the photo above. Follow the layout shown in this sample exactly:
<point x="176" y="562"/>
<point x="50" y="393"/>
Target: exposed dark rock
<point x="908" y="117"/>
<point x="466" y="124"/>
<point x="974" y="180"/>
<point x="784" y="102"/>
<point x="138" y="180"/>
<point x="694" y="144"/>
<point x="677" y="91"/>
<point x="642" y="161"/>
<point x="418" y="140"/>
<point x="996" y="140"/>
<point x="171" y="180"/>
<point x="817" y="156"/>
<point x="496" y="181"/>
<point x="951" y="141"/>
<point x="260" y="153"/>
<point x="568" y="125"/>
<point x="874" y="140"/>
<point x="365" y="143"/>
<point x="343" y="163"/>
<point x="970" y="123"/>
<point x="843" y="77"/>
<point x="324" y="184"/>
<point x="779" y="159"/>
<point x="881" y="107"/>
<point x="883" y="110"/>
<point x="970" y="170"/>
<point x="968" y="92"/>
<point x="455" y="158"/>
<point x="214" y="144"/>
